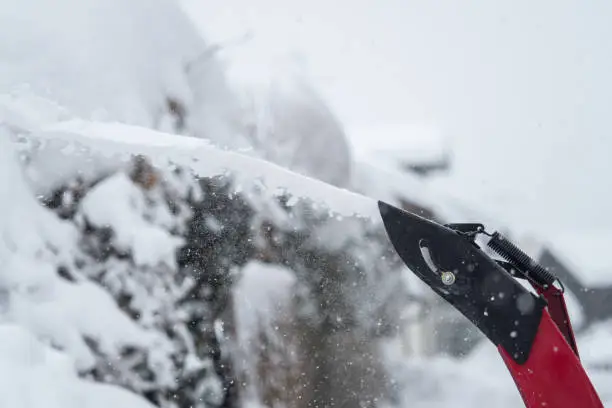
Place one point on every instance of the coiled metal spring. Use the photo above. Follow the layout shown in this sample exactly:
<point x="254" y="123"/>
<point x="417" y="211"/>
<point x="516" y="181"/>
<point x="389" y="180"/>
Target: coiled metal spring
<point x="521" y="260"/>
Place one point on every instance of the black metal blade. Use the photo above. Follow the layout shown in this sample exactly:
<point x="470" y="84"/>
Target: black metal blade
<point x="456" y="269"/>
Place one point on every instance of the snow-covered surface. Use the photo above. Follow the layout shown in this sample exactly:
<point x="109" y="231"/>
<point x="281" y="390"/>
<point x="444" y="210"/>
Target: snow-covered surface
<point x="43" y="313"/>
<point x="117" y="203"/>
<point x="36" y="376"/>
<point x="587" y="253"/>
<point x="115" y="140"/>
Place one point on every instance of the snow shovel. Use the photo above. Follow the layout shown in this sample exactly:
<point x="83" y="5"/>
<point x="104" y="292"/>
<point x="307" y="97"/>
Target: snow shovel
<point x="531" y="328"/>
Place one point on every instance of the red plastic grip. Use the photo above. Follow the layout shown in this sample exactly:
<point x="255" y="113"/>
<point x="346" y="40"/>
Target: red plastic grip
<point x="552" y="376"/>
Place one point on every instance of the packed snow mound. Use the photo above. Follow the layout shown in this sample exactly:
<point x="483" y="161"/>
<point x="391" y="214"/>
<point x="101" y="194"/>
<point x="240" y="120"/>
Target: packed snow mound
<point x="138" y="62"/>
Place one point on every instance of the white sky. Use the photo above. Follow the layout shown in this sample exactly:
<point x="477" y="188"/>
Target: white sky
<point x="521" y="88"/>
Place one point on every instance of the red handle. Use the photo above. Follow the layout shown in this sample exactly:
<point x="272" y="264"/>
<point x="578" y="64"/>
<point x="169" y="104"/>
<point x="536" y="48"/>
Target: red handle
<point x="553" y="376"/>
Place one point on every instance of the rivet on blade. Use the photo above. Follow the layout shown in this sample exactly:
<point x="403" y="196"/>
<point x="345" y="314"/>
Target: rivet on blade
<point x="448" y="278"/>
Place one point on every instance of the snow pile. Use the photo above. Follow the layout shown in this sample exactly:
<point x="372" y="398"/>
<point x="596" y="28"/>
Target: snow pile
<point x="43" y="318"/>
<point x="134" y="224"/>
<point x="113" y="258"/>
<point x="330" y="238"/>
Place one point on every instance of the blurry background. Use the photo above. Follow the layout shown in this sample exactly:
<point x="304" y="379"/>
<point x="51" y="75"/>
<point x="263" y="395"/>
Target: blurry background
<point x="520" y="90"/>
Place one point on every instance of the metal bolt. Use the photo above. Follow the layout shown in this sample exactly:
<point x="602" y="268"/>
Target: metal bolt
<point x="448" y="278"/>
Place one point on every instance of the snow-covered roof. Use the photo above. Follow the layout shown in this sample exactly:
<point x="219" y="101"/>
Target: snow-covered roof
<point x="393" y="145"/>
<point x="586" y="253"/>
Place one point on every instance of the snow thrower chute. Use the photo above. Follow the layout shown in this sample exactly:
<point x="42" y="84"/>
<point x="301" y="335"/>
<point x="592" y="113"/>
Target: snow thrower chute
<point x="532" y="331"/>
